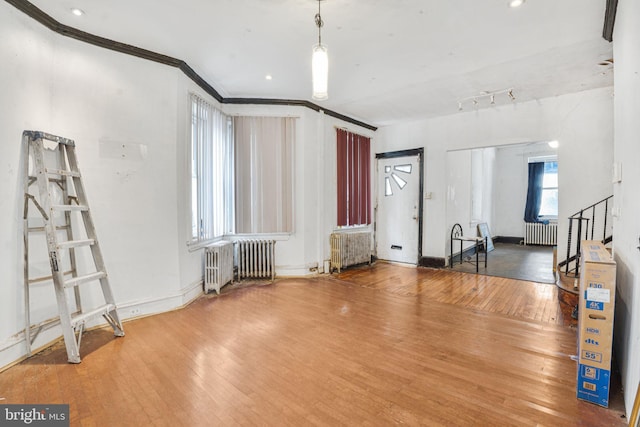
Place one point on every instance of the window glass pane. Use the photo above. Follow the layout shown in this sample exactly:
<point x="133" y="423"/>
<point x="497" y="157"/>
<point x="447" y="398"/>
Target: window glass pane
<point x="550" y="179"/>
<point x="402" y="168"/>
<point x="210" y="163"/>
<point x="387" y="187"/>
<point x="551" y="167"/>
<point x="549" y="204"/>
<point x="401" y="182"/>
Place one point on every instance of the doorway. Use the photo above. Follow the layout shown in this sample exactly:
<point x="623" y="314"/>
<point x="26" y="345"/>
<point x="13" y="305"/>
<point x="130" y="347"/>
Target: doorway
<point x="490" y="185"/>
<point x="400" y="181"/>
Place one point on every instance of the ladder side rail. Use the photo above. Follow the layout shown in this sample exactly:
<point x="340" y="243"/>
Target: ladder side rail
<point x="25" y="244"/>
<point x="86" y="215"/>
<point x="70" y="342"/>
<point x="96" y="252"/>
<point x="62" y="155"/>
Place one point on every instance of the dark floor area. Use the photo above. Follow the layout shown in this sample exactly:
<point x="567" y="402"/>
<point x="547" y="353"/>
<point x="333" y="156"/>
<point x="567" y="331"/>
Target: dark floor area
<point x="533" y="263"/>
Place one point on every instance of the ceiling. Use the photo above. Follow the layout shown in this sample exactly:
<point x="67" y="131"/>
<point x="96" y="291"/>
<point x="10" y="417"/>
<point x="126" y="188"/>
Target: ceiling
<point x="390" y="60"/>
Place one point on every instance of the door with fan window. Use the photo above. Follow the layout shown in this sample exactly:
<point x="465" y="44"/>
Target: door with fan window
<point x="398" y="219"/>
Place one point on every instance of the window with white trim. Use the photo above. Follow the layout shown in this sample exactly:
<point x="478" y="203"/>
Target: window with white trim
<point x="241" y="173"/>
<point x="211" y="171"/>
<point x="549" y="202"/>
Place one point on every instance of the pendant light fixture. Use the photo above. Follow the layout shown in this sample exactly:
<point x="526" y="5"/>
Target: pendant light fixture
<point x="320" y="63"/>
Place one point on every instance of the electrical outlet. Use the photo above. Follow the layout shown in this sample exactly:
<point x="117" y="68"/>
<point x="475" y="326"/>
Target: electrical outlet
<point x="135" y="311"/>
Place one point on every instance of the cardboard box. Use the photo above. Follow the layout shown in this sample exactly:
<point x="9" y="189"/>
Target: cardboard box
<point x="595" y="322"/>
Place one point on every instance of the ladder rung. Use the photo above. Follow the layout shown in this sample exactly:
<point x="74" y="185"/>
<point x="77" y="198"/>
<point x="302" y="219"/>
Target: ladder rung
<point x="44" y="278"/>
<point x="70" y="207"/>
<point x="102" y="310"/>
<point x="42" y="229"/>
<point x="62" y="172"/>
<point x="33" y="179"/>
<point x="76" y="243"/>
<point x="84" y="279"/>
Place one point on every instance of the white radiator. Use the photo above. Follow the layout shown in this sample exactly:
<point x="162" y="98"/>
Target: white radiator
<point x="256" y="259"/>
<point x="536" y="233"/>
<point x="350" y="249"/>
<point x="218" y="266"/>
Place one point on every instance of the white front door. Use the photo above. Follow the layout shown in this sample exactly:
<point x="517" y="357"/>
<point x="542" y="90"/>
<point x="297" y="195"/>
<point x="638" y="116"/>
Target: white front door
<point x="397" y="220"/>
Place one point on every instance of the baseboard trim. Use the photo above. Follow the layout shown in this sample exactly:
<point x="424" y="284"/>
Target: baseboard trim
<point x="14" y="349"/>
<point x="508" y="239"/>
<point x="432" y="262"/>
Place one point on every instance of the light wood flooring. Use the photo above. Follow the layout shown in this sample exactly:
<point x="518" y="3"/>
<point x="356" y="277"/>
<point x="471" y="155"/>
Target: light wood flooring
<point x="373" y="346"/>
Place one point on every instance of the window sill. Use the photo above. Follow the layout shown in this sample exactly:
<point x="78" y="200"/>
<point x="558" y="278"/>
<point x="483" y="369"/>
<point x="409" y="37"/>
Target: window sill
<point x="348" y="228"/>
<point x="259" y="236"/>
<point x="549" y="218"/>
<point x="197" y="245"/>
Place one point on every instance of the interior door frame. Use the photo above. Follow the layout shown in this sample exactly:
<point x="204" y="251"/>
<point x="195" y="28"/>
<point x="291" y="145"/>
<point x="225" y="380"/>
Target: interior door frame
<point x="406" y="153"/>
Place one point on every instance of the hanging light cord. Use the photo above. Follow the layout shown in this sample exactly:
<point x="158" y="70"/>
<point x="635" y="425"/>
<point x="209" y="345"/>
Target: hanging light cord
<point x="319" y="23"/>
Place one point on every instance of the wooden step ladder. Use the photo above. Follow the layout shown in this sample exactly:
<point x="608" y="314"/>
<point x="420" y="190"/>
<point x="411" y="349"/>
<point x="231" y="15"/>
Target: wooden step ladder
<point x="68" y="227"/>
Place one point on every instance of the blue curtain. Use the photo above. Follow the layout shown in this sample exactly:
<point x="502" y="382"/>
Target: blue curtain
<point x="534" y="192"/>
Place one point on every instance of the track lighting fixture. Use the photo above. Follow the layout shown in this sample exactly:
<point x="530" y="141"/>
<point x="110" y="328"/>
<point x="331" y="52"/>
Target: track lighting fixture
<point x="485" y="98"/>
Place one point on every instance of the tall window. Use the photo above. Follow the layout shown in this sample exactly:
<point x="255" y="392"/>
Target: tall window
<point x="542" y="192"/>
<point x="263" y="174"/>
<point x="549" y="199"/>
<point x="211" y="171"/>
<point x="354" y="181"/>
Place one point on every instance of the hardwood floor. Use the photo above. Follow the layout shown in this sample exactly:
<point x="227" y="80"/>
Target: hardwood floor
<point x="374" y="346"/>
<point x="530" y="300"/>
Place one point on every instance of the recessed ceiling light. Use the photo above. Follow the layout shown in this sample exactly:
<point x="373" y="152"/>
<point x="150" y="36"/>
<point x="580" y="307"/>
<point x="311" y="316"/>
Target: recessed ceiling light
<point x="77" y="12"/>
<point x="516" y="3"/>
<point x="268" y="77"/>
<point x="553" y="144"/>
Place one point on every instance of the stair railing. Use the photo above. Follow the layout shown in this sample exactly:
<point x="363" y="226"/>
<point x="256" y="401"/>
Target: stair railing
<point x="590" y="223"/>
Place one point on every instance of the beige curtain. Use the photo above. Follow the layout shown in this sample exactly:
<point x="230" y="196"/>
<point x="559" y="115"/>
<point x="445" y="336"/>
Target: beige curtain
<point x="263" y="148"/>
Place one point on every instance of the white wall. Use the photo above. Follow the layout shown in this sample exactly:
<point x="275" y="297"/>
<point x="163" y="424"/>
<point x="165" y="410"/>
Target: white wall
<point x="130" y="119"/>
<point x="627" y="226"/>
<point x="488" y="187"/>
<point x="470" y="175"/>
<point x="581" y="122"/>
<point x="458" y="194"/>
